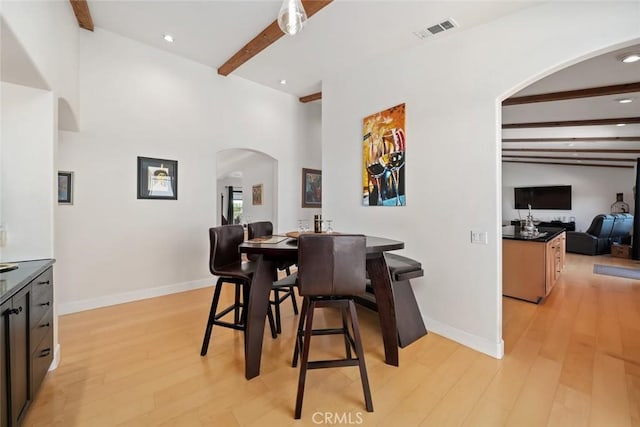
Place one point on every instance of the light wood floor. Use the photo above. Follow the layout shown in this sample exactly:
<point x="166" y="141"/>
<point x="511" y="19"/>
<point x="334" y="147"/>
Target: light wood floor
<point x="573" y="360"/>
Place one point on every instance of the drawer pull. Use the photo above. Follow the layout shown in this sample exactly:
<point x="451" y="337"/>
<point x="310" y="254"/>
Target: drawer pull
<point x="45" y="303"/>
<point x="45" y="352"/>
<point x="46" y="282"/>
<point x="46" y="325"/>
<point x="14" y="310"/>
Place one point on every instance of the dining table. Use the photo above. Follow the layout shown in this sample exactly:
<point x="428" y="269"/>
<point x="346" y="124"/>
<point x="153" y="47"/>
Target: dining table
<point x="272" y="252"/>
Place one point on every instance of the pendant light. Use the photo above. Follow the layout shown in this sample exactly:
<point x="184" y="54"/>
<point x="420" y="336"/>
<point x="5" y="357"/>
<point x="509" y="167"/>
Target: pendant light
<point x="292" y="17"/>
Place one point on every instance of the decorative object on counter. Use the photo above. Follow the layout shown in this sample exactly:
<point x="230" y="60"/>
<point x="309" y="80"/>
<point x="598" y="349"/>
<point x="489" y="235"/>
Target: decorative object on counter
<point x="157" y="178"/>
<point x="5" y="266"/>
<point x="317" y="223"/>
<point x="311" y="188"/>
<point x="383" y="158"/>
<point x="65" y="188"/>
<point x="530" y="229"/>
<point x="620" y="206"/>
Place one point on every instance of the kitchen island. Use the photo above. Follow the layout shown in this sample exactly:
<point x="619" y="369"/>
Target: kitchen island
<point x="531" y="265"/>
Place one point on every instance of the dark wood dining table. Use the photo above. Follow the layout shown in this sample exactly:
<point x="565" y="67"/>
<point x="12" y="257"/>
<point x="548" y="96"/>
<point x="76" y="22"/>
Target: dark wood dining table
<point x="272" y="254"/>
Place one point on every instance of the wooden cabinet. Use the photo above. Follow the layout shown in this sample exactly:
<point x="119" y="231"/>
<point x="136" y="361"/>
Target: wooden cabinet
<point x="530" y="269"/>
<point x="26" y="343"/>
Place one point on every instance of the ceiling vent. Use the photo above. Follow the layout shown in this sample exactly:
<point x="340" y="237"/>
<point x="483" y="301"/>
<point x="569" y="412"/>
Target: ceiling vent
<point x="435" y="29"/>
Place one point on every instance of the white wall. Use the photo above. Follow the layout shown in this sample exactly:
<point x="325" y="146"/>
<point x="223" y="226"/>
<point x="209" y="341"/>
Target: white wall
<point x="452" y="86"/>
<point x="310" y="150"/>
<point x="27" y="172"/>
<point x="259" y="169"/>
<point x="222" y="188"/>
<point x="593" y="189"/>
<point x="140" y="101"/>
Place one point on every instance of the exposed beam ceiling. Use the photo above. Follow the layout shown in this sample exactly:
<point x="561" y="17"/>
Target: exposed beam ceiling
<point x="83" y="15"/>
<point x="266" y="37"/>
<point x="572" y="150"/>
<point x="574" y="94"/>
<point x="600" y="159"/>
<point x="566" y="123"/>
<point x="312" y="97"/>
<point x="569" y="164"/>
<point x="584" y="139"/>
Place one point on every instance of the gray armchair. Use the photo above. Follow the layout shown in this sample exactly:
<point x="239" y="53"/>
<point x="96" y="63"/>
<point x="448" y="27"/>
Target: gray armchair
<point x="596" y="240"/>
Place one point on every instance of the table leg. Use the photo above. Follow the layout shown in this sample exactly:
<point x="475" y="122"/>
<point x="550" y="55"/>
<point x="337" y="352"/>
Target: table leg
<point x="256" y="314"/>
<point x="381" y="284"/>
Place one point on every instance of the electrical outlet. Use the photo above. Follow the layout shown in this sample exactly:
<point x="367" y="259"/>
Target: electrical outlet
<point x="479" y="237"/>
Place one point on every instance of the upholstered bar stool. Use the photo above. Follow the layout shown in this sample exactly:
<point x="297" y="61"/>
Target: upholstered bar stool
<point x="283" y="290"/>
<point x="225" y="262"/>
<point x="331" y="270"/>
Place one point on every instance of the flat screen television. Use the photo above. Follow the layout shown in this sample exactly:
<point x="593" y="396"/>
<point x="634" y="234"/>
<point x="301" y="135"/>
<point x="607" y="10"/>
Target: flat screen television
<point x="557" y="197"/>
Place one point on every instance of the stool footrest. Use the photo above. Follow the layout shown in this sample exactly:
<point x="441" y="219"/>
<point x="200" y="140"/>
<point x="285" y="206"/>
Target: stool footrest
<point x="321" y="364"/>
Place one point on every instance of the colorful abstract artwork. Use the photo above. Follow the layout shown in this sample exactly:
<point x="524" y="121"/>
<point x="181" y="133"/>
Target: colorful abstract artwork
<point x="383" y="158"/>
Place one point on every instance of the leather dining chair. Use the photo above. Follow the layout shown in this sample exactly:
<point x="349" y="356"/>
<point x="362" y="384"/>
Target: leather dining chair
<point x="225" y="262"/>
<point x="280" y="291"/>
<point x="331" y="271"/>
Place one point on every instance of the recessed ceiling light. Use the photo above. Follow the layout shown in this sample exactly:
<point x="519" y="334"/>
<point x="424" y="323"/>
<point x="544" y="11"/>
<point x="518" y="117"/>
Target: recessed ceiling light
<point x="571" y="144"/>
<point x="625" y="100"/>
<point x="168" y="38"/>
<point x="621" y="124"/>
<point x="283" y="82"/>
<point x="630" y="57"/>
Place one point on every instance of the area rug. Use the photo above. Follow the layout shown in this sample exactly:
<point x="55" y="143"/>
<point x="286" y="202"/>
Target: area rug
<point x="612" y="270"/>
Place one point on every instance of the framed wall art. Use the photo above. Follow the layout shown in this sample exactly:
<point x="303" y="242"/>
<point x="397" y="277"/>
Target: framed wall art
<point x="65" y="188"/>
<point x="157" y="178"/>
<point x="256" y="195"/>
<point x="311" y="188"/>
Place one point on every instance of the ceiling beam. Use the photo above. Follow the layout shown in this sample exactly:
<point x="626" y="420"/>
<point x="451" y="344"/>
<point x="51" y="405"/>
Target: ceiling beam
<point x="584" y="139"/>
<point x="573" y="150"/>
<point x="266" y="38"/>
<point x="312" y="97"/>
<point x="599" y="159"/>
<point x="83" y="15"/>
<point x="566" y="123"/>
<point x="569" y="164"/>
<point x="574" y="94"/>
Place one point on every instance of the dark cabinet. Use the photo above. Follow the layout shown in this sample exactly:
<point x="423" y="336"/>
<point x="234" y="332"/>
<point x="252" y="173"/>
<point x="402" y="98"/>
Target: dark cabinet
<point x="26" y="342"/>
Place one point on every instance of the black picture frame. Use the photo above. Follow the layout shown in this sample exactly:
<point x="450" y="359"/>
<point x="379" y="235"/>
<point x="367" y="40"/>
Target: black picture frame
<point x="311" y="188"/>
<point x="65" y="188"/>
<point x="157" y="178"/>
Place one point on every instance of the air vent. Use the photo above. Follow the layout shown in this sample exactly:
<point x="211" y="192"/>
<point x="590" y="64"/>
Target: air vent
<point x="435" y="29"/>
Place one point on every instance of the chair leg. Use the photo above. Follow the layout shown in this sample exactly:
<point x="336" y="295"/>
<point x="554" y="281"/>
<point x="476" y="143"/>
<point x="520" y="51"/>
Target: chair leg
<point x="212" y="315"/>
<point x="305" y="358"/>
<point x="359" y="350"/>
<point x="345" y="334"/>
<point x="272" y="324"/>
<point x="298" y="347"/>
<point x="276" y="307"/>
<point x="293" y="299"/>
<point x="236" y="310"/>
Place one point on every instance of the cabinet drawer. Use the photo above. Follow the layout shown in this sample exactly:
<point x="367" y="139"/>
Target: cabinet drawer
<point x="41" y="359"/>
<point x="42" y="287"/>
<point x="41" y="328"/>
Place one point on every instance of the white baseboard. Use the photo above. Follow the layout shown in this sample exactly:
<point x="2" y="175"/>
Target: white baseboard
<point x="56" y="358"/>
<point x="105" y="301"/>
<point x="490" y="348"/>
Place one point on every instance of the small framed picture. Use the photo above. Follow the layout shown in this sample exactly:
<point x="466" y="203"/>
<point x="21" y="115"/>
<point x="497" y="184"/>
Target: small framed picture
<point x="256" y="195"/>
<point x="157" y="178"/>
<point x="65" y="188"/>
<point x="311" y="188"/>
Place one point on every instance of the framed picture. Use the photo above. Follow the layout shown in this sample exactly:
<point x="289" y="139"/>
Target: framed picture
<point x="256" y="194"/>
<point x="65" y="188"/>
<point x="311" y="188"/>
<point x="157" y="178"/>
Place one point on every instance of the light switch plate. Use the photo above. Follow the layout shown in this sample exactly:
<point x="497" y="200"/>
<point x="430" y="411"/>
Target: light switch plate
<point x="479" y="237"/>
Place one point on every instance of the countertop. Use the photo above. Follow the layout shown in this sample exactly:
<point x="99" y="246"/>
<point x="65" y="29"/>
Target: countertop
<point x="511" y="232"/>
<point x="14" y="280"/>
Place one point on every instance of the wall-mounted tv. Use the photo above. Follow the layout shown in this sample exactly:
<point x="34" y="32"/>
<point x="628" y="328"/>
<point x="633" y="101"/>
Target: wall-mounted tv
<point x="557" y="197"/>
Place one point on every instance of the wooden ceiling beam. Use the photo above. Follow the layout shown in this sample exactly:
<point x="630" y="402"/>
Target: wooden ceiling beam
<point x="584" y="139"/>
<point x="266" y="38"/>
<point x="574" y="94"/>
<point x="83" y="15"/>
<point x="573" y="150"/>
<point x="312" y="97"/>
<point x="569" y="164"/>
<point x="567" y="123"/>
<point x="598" y="159"/>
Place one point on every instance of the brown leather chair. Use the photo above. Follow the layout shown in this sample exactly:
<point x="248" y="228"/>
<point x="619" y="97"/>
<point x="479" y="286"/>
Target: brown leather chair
<point x="226" y="263"/>
<point x="331" y="270"/>
<point x="280" y="292"/>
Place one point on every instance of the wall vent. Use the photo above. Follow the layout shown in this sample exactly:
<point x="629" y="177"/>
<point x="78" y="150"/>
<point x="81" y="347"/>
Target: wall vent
<point x="435" y="29"/>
